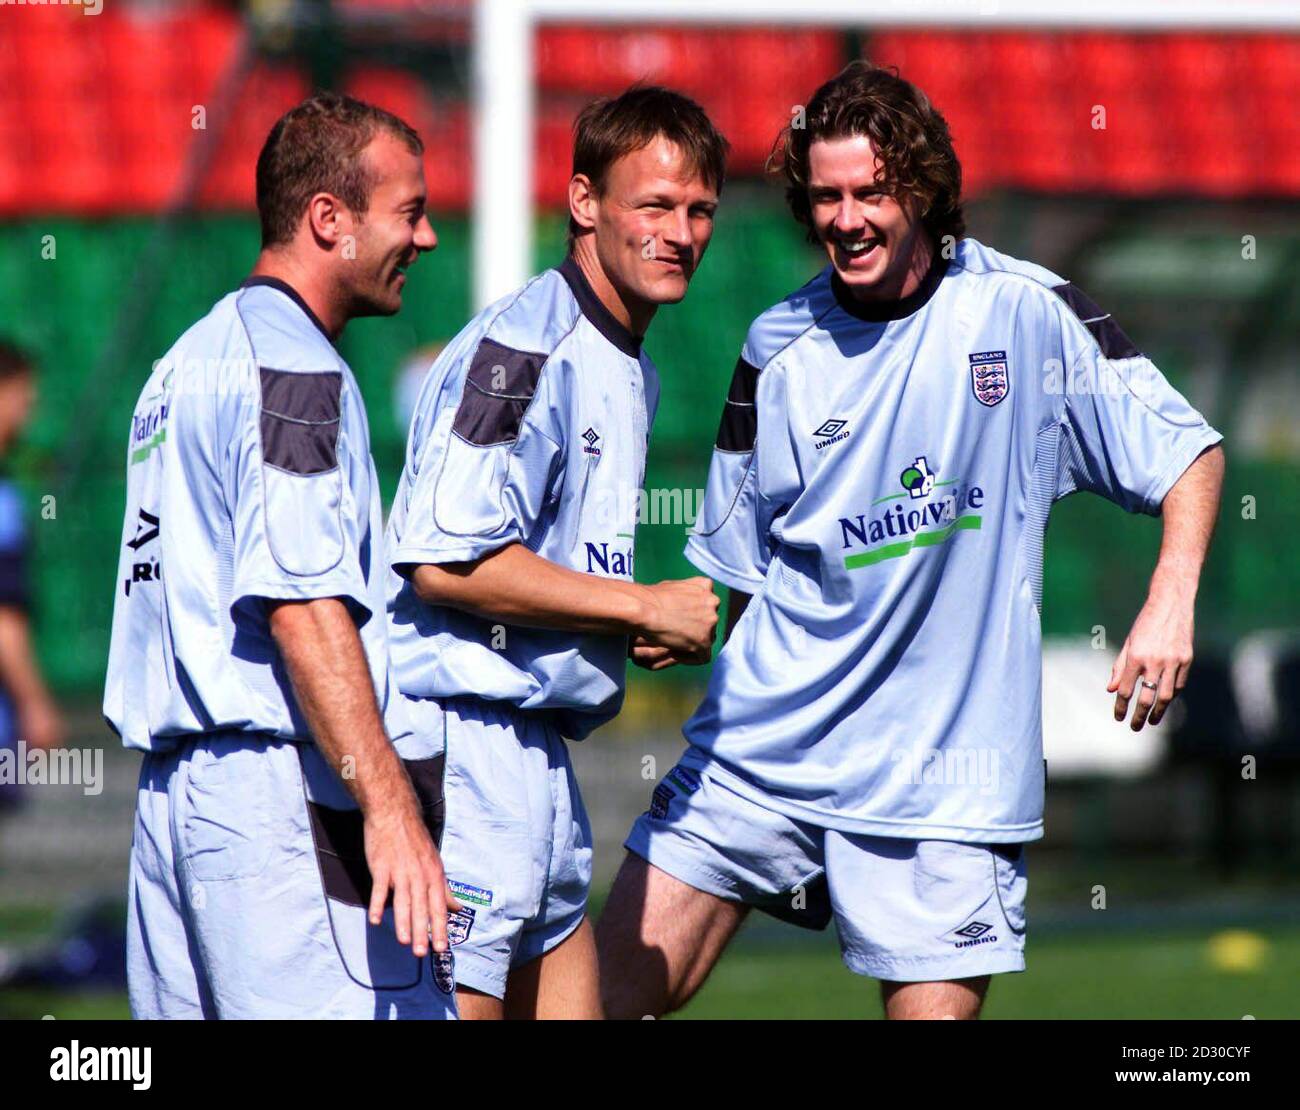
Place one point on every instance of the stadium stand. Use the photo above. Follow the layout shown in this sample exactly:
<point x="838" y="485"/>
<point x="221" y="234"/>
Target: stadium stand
<point x="1014" y="100"/>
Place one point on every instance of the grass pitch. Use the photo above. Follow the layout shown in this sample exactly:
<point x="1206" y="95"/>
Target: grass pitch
<point x="777" y="972"/>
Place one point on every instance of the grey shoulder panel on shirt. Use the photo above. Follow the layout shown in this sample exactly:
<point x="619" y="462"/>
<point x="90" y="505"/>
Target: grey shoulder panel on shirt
<point x="498" y="390"/>
<point x="769" y="335"/>
<point x="300" y="419"/>
<point x="1110" y="337"/>
<point x="739" y="426"/>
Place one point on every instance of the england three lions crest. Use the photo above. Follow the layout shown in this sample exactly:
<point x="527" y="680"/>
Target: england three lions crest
<point x="988" y="377"/>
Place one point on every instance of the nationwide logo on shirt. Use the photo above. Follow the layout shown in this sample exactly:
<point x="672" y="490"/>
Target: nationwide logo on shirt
<point x="832" y="431"/>
<point x="944" y="512"/>
<point x="918" y="479"/>
<point x="988" y="377"/>
<point x="602" y="559"/>
<point x="149" y="428"/>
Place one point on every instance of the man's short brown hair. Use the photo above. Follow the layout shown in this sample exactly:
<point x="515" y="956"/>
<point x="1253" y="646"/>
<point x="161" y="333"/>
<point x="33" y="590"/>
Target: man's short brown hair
<point x="909" y="135"/>
<point x="608" y="128"/>
<point x="316" y="148"/>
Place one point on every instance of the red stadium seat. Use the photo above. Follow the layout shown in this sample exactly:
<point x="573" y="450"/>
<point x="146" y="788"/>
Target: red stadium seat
<point x="553" y="150"/>
<point x="579" y="60"/>
<point x="443" y="127"/>
<point x="268" y="94"/>
<point x="95" y="114"/>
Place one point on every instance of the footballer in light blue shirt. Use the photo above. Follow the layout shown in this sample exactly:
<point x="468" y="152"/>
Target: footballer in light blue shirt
<point x="896" y="431"/>
<point x="512" y="605"/>
<point x="249" y="651"/>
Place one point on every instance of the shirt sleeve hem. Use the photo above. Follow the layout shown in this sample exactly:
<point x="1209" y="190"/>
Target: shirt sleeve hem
<point x="305" y="591"/>
<point x="1205" y="438"/>
<point x="457" y="553"/>
<point x="700" y="558"/>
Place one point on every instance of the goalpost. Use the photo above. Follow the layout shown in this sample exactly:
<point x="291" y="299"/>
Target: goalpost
<point x="503" y="86"/>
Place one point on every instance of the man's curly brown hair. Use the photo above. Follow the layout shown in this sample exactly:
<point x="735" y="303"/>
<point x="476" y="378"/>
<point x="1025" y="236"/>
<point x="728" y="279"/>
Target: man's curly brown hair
<point x="909" y="135"/>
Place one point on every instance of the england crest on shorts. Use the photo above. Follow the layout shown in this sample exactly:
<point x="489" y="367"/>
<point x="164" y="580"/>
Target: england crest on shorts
<point x="444" y="971"/>
<point x="459" y="923"/>
<point x="988" y="377"/>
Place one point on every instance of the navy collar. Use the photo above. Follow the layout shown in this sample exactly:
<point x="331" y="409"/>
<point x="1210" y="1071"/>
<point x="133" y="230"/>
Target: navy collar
<point x="883" y="311"/>
<point x="290" y="292"/>
<point x="601" y="318"/>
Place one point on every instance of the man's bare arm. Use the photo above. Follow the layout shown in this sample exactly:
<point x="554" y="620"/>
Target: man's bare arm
<point x="516" y="586"/>
<point x="331" y="681"/>
<point x="1159" y="647"/>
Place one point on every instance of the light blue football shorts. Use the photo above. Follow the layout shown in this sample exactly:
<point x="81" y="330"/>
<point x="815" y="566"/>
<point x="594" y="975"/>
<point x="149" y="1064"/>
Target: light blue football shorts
<point x="906" y="910"/>
<point x="517" y="844"/>
<point x="249" y="891"/>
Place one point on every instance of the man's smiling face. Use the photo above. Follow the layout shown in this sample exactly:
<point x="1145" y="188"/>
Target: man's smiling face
<point x="394" y="231"/>
<point x="870" y="236"/>
<point x="653" y="222"/>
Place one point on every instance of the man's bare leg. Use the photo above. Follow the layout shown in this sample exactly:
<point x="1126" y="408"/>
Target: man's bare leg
<point x="477" y="1006"/>
<point x="955" y="998"/>
<point x="562" y="984"/>
<point x="658" y="939"/>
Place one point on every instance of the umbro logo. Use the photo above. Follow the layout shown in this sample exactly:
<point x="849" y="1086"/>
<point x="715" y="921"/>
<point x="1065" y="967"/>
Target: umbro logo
<point x="591" y="436"/>
<point x="146" y="531"/>
<point x="974" y="932"/>
<point x="832" y="431"/>
<point x="974" y="929"/>
<point x="830" y="428"/>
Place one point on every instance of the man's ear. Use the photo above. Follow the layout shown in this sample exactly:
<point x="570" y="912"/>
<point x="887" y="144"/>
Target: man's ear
<point x="582" y="201"/>
<point x="328" y="218"/>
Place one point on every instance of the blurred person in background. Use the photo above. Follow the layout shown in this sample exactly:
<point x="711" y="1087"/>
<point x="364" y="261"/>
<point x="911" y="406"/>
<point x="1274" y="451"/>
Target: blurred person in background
<point x="27" y="712"/>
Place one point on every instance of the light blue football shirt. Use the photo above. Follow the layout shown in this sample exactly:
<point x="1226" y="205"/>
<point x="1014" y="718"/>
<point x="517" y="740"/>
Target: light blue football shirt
<point x="881" y="485"/>
<point x="531" y="427"/>
<point x="249" y="477"/>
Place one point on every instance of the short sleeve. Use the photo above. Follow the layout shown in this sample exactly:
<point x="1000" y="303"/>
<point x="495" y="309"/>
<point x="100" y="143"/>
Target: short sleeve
<point x="731" y="539"/>
<point x="1126" y="433"/>
<point x="298" y="531"/>
<point x="492" y="463"/>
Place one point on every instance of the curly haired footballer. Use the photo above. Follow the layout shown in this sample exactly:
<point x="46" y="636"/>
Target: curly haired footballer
<point x="916" y="154"/>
